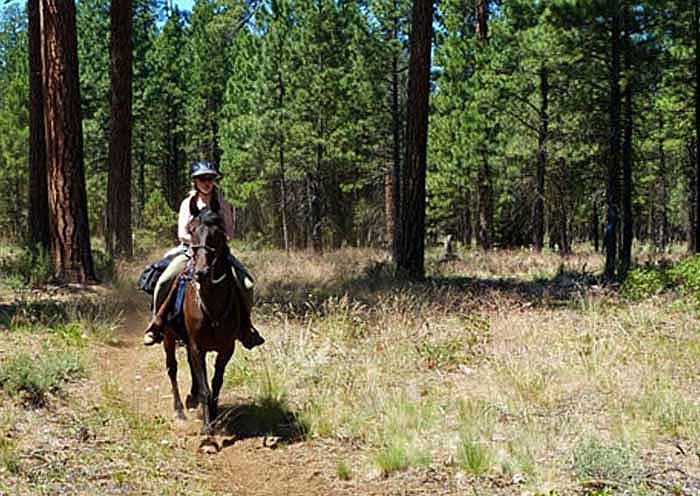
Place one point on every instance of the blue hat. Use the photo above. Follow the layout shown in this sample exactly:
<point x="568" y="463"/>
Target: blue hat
<point x="203" y="168"/>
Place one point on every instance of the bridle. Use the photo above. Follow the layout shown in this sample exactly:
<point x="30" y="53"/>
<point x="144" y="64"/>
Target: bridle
<point x="214" y="281"/>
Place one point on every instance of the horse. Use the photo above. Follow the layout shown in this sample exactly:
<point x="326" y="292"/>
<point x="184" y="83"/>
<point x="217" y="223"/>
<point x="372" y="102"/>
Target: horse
<point x="213" y="309"/>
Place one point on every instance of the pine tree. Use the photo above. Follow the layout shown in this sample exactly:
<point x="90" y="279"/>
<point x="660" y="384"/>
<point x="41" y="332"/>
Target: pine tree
<point x="118" y="225"/>
<point x="70" y="235"/>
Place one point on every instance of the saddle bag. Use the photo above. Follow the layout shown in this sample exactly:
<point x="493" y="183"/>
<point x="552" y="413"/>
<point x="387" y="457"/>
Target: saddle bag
<point x="150" y="275"/>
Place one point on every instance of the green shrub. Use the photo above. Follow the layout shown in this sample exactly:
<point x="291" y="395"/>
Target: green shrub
<point x="34" y="376"/>
<point x="644" y="282"/>
<point x="9" y="457"/>
<point x="104" y="265"/>
<point x="685" y="275"/>
<point x="38" y="268"/>
<point x="158" y="217"/>
<point x="595" y="459"/>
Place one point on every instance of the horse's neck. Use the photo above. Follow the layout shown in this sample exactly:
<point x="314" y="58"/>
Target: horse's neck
<point x="217" y="297"/>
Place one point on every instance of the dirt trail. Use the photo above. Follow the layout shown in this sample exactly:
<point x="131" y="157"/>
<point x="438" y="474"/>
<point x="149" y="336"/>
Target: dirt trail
<point x="255" y="466"/>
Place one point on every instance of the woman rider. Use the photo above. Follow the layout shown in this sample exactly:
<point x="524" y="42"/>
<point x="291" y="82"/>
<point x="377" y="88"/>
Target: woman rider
<point x="203" y="176"/>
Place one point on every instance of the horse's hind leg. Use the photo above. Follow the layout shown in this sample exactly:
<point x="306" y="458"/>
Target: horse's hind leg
<point x="222" y="358"/>
<point x="171" y="365"/>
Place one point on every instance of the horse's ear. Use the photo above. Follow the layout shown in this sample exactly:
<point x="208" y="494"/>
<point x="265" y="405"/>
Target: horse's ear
<point x="214" y="203"/>
<point x="194" y="209"/>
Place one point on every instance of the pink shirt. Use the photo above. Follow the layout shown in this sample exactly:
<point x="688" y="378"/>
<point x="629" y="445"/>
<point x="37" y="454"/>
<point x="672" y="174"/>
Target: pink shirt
<point x="184" y="218"/>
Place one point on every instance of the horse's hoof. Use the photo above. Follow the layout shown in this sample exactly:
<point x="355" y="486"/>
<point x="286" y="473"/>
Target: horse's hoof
<point x="191" y="403"/>
<point x="209" y="446"/>
<point x="180" y="415"/>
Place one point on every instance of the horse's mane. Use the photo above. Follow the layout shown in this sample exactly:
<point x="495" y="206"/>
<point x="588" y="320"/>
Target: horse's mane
<point x="210" y="218"/>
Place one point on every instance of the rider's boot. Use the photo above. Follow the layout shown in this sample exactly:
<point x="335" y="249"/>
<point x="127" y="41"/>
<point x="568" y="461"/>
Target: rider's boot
<point x="249" y="336"/>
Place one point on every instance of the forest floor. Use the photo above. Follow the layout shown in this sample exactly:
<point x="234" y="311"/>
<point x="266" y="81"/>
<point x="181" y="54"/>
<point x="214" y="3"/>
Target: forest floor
<point x="505" y="373"/>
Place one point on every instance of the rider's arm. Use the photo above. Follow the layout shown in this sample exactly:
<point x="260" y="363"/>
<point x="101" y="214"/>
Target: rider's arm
<point x="228" y="215"/>
<point x="183" y="220"/>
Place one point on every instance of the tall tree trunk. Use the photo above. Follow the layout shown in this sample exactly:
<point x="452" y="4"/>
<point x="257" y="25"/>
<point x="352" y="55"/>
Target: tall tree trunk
<point x="140" y="188"/>
<point x="393" y="181"/>
<point x="541" y="159"/>
<point x="315" y="191"/>
<point x="70" y="235"/>
<point x="696" y="206"/>
<point x="484" y="179"/>
<point x="118" y="228"/>
<point x="663" y="200"/>
<point x="38" y="221"/>
<point x="485" y="202"/>
<point x="627" y="224"/>
<point x="465" y="231"/>
<point x="283" y="197"/>
<point x="595" y="226"/>
<point x="651" y="216"/>
<point x="612" y="193"/>
<point x="283" y="172"/>
<point x="410" y="257"/>
<point x="691" y="181"/>
<point x="389" y="205"/>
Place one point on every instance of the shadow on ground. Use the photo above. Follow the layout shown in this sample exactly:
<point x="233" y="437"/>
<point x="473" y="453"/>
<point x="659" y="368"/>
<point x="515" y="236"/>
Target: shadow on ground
<point x="377" y="283"/>
<point x="269" y="418"/>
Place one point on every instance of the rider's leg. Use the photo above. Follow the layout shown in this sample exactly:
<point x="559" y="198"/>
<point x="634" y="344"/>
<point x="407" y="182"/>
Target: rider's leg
<point x="249" y="335"/>
<point x="153" y="332"/>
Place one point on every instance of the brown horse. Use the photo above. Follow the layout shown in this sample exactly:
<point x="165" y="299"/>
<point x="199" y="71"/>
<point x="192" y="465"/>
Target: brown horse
<point x="212" y="309"/>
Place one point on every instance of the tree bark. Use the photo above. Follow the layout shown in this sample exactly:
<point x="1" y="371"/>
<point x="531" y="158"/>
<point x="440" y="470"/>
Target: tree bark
<point x="663" y="197"/>
<point x="38" y="221"/>
<point x="485" y="202"/>
<point x="70" y="236"/>
<point x="315" y="193"/>
<point x="411" y="243"/>
<point x="393" y="179"/>
<point x="465" y="228"/>
<point x="541" y="159"/>
<point x="595" y="223"/>
<point x="282" y="165"/>
<point x="627" y="225"/>
<point x="118" y="228"/>
<point x="696" y="196"/>
<point x="484" y="179"/>
<point x="691" y="181"/>
<point x="612" y="192"/>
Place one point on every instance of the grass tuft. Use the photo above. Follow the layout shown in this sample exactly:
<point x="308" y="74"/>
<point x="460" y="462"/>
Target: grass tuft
<point x="595" y="459"/>
<point x="342" y="470"/>
<point x="34" y="376"/>
<point x="473" y="456"/>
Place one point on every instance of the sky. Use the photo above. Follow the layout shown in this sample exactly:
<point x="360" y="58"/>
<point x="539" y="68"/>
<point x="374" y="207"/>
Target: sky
<point x="184" y="4"/>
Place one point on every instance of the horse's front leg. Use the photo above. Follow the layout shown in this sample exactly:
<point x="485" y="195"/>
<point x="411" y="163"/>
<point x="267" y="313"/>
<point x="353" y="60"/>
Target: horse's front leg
<point x="171" y="365"/>
<point x="191" y="401"/>
<point x="222" y="359"/>
<point x="199" y="370"/>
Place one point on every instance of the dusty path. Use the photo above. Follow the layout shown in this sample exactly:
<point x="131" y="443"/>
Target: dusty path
<point x="255" y="466"/>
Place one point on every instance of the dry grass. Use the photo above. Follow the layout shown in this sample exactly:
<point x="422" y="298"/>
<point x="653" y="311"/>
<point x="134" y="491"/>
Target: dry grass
<point x="501" y="365"/>
<point x="504" y="373"/>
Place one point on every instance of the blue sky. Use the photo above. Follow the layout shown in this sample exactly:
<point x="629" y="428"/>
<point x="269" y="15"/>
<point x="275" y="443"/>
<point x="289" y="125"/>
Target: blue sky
<point x="184" y="4"/>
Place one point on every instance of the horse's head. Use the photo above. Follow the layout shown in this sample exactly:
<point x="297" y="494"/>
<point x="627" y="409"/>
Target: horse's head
<point x="208" y="245"/>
